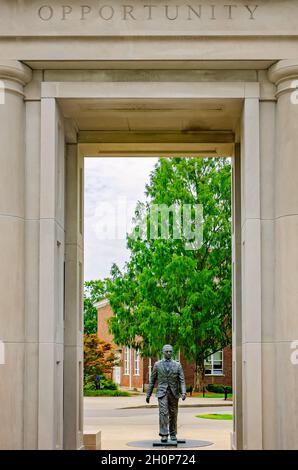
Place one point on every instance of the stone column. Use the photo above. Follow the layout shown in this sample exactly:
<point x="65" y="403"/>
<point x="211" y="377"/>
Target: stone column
<point x="237" y="438"/>
<point x="13" y="76"/>
<point x="74" y="278"/>
<point x="254" y="378"/>
<point x="267" y="164"/>
<point x="51" y="277"/>
<point x="284" y="348"/>
<point x="32" y="227"/>
<point x="251" y="297"/>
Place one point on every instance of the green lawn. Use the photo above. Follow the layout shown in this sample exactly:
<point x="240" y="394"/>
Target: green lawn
<point x="106" y="393"/>
<point x="220" y="416"/>
<point x="212" y="395"/>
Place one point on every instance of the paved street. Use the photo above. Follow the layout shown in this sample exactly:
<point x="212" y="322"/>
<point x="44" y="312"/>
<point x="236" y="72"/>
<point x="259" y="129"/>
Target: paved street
<point x="120" y="424"/>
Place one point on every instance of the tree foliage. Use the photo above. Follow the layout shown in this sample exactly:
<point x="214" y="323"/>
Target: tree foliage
<point x="168" y="293"/>
<point x="99" y="357"/>
<point x="94" y="291"/>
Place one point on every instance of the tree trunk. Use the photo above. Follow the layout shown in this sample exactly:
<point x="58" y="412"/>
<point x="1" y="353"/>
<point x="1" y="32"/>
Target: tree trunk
<point x="199" y="376"/>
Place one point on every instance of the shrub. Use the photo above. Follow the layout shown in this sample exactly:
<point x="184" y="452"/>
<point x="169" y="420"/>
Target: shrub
<point x="189" y="388"/>
<point x="213" y="388"/>
<point x="89" y="386"/>
<point x="108" y="384"/>
<point x="106" y="393"/>
<point x="105" y="383"/>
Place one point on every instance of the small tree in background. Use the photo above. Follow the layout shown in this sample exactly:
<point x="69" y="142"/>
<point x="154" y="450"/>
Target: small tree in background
<point x="99" y="357"/>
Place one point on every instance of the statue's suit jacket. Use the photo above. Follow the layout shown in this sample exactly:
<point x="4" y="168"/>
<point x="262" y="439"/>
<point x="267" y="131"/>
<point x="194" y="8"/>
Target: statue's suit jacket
<point x="174" y="379"/>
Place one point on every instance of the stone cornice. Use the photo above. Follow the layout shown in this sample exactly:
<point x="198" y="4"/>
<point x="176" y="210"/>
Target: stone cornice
<point x="14" y="76"/>
<point x="15" y="70"/>
<point x="283" y="74"/>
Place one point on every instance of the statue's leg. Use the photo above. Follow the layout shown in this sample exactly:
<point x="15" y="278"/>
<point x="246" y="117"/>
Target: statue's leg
<point x="163" y="415"/>
<point x="173" y="414"/>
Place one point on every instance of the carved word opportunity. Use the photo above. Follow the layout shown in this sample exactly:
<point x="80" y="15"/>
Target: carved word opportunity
<point x="148" y="12"/>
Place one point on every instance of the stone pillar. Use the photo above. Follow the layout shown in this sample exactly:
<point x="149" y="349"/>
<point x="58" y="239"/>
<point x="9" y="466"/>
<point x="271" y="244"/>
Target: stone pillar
<point x="251" y="297"/>
<point x="51" y="277"/>
<point x="267" y="164"/>
<point x="32" y="227"/>
<point x="13" y="77"/>
<point x="254" y="370"/>
<point x="285" y="341"/>
<point x="237" y="439"/>
<point x="74" y="278"/>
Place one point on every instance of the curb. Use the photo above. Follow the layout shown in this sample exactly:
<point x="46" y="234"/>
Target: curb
<point x="198" y="405"/>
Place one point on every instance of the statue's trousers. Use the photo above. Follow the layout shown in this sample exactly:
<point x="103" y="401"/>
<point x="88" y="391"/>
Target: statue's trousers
<point x="168" y="411"/>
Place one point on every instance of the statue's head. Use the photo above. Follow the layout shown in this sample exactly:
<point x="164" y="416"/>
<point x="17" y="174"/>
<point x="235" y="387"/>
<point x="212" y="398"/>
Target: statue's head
<point x="167" y="351"/>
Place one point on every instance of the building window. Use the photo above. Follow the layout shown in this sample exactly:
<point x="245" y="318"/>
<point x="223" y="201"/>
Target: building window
<point x="150" y="368"/>
<point x="126" y="361"/>
<point x="214" y="364"/>
<point x="136" y="362"/>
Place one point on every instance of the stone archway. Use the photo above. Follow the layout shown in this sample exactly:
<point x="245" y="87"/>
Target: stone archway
<point x="44" y="81"/>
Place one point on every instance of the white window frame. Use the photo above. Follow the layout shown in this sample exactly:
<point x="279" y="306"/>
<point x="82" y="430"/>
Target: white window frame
<point x="212" y="366"/>
<point x="136" y="365"/>
<point x="126" y="361"/>
<point x="150" y="367"/>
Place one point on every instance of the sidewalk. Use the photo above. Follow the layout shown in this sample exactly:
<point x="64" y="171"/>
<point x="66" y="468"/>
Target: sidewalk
<point x="190" y="402"/>
<point x="125" y="419"/>
<point x="139" y="401"/>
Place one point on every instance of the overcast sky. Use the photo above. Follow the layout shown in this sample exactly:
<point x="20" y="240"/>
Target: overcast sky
<point x="112" y="188"/>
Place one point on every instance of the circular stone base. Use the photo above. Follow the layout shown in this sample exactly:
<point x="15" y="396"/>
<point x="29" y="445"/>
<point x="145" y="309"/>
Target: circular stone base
<point x="148" y="444"/>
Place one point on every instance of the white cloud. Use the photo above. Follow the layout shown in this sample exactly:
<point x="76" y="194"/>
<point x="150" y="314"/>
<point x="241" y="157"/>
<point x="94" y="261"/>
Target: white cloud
<point x="107" y="180"/>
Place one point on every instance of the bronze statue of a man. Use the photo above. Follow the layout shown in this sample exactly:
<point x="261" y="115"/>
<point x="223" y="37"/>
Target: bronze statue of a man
<point x="171" y="384"/>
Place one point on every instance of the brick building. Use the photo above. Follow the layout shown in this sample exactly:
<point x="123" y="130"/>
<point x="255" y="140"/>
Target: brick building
<point x="134" y="371"/>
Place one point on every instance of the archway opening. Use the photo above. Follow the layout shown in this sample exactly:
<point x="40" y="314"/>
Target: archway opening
<point x="134" y="128"/>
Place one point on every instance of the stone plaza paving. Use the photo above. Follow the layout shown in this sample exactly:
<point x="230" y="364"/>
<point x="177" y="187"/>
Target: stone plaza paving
<point x="125" y="419"/>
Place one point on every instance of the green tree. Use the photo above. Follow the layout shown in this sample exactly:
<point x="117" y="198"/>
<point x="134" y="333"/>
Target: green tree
<point x="167" y="292"/>
<point x="94" y="291"/>
<point x="99" y="357"/>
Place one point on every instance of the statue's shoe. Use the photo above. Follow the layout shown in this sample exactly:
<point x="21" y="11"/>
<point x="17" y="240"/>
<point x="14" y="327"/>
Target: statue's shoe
<point x="164" y="438"/>
<point x="173" y="438"/>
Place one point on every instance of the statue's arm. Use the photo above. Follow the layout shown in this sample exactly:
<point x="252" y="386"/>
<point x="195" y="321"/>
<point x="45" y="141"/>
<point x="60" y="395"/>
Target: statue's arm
<point x="182" y="380"/>
<point x="153" y="379"/>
